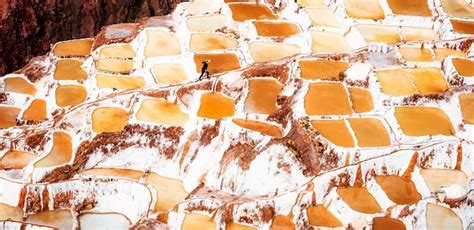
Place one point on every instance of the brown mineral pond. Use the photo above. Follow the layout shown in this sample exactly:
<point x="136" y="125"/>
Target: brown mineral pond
<point x="439" y="218"/>
<point x="9" y="115"/>
<point x="104" y="220"/>
<point x="61" y="219"/>
<point x="418" y="34"/>
<point x="385" y="223"/>
<point x="323" y="17"/>
<point x="398" y="189"/>
<point x="9" y="212"/>
<point x="262" y="127"/>
<point x="361" y="100"/>
<point x="464" y="67"/>
<point x="247" y="11"/>
<point x="162" y="112"/>
<point x="276" y="28"/>
<point x="160" y="43"/>
<point x="368" y="9"/>
<point x="463" y="27"/>
<point x="206" y="23"/>
<point x="109" y="119"/>
<point x="61" y="153"/>
<point x="121" y="173"/>
<point x="380" y="33"/>
<point x="16" y="160"/>
<point x="266" y="51"/>
<point x="327" y="99"/>
<point x="19" y="85"/>
<point x="335" y="131"/>
<point x="69" y="69"/>
<point x="170" y="191"/>
<point x="198" y="221"/>
<point x="322" y="69"/>
<point x="117" y="51"/>
<point x="416" y="54"/>
<point x="359" y="199"/>
<point x="319" y="216"/>
<point x="81" y="47"/>
<point x="119" y="82"/>
<point x="458" y="8"/>
<point x="262" y="96"/>
<point x="422" y="121"/>
<point x="396" y="83"/>
<point x="427" y="80"/>
<point x="216" y="106"/>
<point x="414" y="7"/>
<point x="436" y="178"/>
<point x="169" y="73"/>
<point x="370" y="132"/>
<point x="36" y="111"/>
<point x="115" y="65"/>
<point x="280" y="222"/>
<point x="329" y="42"/>
<point x="441" y="53"/>
<point x="220" y="62"/>
<point x="466" y="101"/>
<point x="67" y="95"/>
<point x="209" y="42"/>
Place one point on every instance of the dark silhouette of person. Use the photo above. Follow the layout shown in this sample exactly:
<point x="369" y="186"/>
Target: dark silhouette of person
<point x="205" y="64"/>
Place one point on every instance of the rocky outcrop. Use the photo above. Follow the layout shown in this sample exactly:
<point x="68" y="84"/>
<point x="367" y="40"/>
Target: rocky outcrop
<point x="28" y="28"/>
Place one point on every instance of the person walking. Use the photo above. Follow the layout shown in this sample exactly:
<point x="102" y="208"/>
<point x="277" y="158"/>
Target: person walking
<point x="205" y="65"/>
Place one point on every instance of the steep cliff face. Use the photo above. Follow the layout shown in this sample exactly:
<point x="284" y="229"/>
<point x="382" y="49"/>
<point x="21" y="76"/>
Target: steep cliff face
<point x="28" y="28"/>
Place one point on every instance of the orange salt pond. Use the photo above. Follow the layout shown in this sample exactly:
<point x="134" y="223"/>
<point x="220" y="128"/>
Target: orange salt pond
<point x="72" y="48"/>
<point x="461" y="26"/>
<point x="121" y="173"/>
<point x="216" y="106"/>
<point x="209" y="42"/>
<point x="464" y="67"/>
<point x="161" y="111"/>
<point x="9" y="212"/>
<point x="61" y="219"/>
<point x="385" y="223"/>
<point x="280" y="222"/>
<point x="396" y="83"/>
<point x="9" y="115"/>
<point x="262" y="96"/>
<point x="207" y="23"/>
<point x="198" y="221"/>
<point x="323" y="17"/>
<point x="327" y="99"/>
<point x="19" y="85"/>
<point x="466" y="102"/>
<point x="119" y="82"/>
<point x="170" y="191"/>
<point x="427" y="80"/>
<point x="319" y="216"/>
<point x="16" y="160"/>
<point x="329" y="42"/>
<point x="380" y="33"/>
<point x="220" y="62"/>
<point x="416" y="54"/>
<point x="262" y="127"/>
<point x="169" y="73"/>
<point x="36" y="111"/>
<point x="67" y="95"/>
<point x="359" y="199"/>
<point x="436" y="178"/>
<point x="361" y="100"/>
<point x="370" y="132"/>
<point x="275" y="28"/>
<point x="247" y="11"/>
<point x="117" y="51"/>
<point x="418" y="34"/>
<point x="266" y="51"/>
<point x="115" y="65"/>
<point x="160" y="43"/>
<point x="398" y="189"/>
<point x="366" y="9"/>
<point x="335" y="131"/>
<point x="69" y="69"/>
<point x="109" y="119"/>
<point x="322" y="69"/>
<point x="422" y="121"/>
<point x="61" y="153"/>
<point x="234" y="226"/>
<point x="441" y="53"/>
<point x="439" y="217"/>
<point x="413" y="7"/>
<point x="457" y="8"/>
